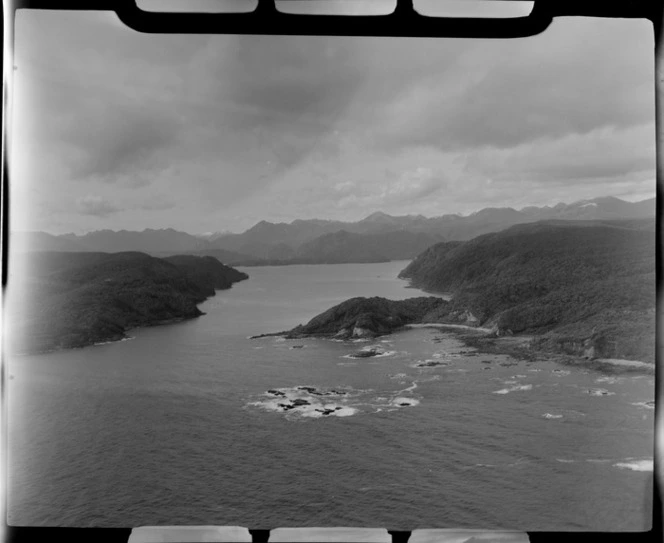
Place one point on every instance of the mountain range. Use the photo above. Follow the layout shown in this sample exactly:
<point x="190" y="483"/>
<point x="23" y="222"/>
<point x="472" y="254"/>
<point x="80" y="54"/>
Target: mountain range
<point x="378" y="237"/>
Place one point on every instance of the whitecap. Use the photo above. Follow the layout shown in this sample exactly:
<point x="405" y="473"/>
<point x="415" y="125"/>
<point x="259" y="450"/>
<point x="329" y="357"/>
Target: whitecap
<point x="647" y="405"/>
<point x="636" y="465"/>
<point x="519" y="376"/>
<point x="608" y="380"/>
<point x="552" y="416"/>
<point x="599" y="392"/>
<point x="564" y="460"/>
<point x="513" y="389"/>
<point x="386" y="353"/>
<point x="561" y="373"/>
<point x="380" y="353"/>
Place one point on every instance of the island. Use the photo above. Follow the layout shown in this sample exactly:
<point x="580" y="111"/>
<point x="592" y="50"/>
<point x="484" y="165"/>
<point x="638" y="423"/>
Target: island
<point x="61" y="300"/>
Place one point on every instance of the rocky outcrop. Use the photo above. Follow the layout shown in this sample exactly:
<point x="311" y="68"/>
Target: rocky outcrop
<point x="369" y="317"/>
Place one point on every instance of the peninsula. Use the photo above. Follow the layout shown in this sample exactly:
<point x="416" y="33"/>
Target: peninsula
<point x="582" y="288"/>
<point x="67" y="300"/>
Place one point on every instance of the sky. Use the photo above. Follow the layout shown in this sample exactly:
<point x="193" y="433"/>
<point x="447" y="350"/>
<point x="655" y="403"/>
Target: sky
<point x="114" y="129"/>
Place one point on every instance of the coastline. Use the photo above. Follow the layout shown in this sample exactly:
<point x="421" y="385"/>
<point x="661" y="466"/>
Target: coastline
<point x="519" y="347"/>
<point x="115" y="338"/>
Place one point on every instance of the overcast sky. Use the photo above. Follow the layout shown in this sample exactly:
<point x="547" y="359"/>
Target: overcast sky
<point x="121" y="130"/>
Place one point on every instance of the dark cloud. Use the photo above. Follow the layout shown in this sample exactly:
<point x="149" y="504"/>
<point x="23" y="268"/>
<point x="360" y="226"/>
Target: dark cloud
<point x="225" y="124"/>
<point x="122" y="143"/>
<point x="572" y="79"/>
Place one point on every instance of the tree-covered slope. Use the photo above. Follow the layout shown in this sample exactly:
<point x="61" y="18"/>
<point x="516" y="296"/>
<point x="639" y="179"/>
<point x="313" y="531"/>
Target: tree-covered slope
<point x="63" y="300"/>
<point x="368" y="317"/>
<point x="581" y="282"/>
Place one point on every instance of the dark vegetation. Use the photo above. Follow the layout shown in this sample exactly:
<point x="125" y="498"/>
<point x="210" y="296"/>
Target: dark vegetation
<point x="581" y="287"/>
<point x="368" y="317"/>
<point x="65" y="300"/>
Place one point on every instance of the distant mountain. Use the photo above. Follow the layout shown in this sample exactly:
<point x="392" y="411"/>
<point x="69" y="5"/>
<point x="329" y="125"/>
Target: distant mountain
<point x="584" y="287"/>
<point x="350" y="247"/>
<point x="64" y="300"/>
<point x="255" y="241"/>
<point x="150" y="241"/>
<point x="305" y="240"/>
<point x="229" y="258"/>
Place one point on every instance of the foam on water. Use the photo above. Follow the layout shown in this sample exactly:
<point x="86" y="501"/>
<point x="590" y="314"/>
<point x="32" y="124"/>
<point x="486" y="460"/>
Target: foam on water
<point x="380" y="352"/>
<point x="599" y="392"/>
<point x="310" y="402"/>
<point x="113" y="341"/>
<point x="609" y="380"/>
<point x="646" y="405"/>
<point x="560" y="373"/>
<point x="551" y="416"/>
<point x="513" y="389"/>
<point x="636" y="465"/>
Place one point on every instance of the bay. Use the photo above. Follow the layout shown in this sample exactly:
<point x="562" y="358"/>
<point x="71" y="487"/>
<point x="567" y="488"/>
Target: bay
<point x="177" y="425"/>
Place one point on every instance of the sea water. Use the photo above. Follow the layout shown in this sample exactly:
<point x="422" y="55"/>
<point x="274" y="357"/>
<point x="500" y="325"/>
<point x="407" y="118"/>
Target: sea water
<point x="194" y="423"/>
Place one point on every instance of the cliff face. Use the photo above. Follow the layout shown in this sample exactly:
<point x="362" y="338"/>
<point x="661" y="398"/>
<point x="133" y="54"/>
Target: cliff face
<point x="369" y="317"/>
<point x="583" y="287"/>
<point x="65" y="300"/>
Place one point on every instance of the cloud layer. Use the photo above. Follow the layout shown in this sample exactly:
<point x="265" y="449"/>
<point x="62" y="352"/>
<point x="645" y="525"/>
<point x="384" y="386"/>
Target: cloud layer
<point x="116" y="129"/>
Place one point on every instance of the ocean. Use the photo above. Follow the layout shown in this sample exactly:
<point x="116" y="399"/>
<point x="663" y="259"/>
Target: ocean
<point x="189" y="424"/>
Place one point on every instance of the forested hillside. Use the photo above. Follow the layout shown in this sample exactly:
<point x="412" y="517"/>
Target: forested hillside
<point x="580" y="286"/>
<point x="63" y="300"/>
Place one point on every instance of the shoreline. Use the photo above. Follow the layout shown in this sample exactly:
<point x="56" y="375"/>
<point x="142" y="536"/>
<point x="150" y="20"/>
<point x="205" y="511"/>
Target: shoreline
<point x="110" y="340"/>
<point x="519" y="347"/>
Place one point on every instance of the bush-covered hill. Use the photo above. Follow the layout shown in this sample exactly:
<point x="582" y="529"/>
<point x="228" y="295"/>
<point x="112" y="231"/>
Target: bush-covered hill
<point x="64" y="300"/>
<point x="581" y="286"/>
<point x="368" y="317"/>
